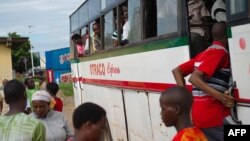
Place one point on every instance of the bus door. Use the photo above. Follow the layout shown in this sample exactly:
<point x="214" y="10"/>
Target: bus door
<point x="239" y="46"/>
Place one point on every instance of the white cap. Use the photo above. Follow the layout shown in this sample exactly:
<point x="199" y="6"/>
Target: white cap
<point x="41" y="95"/>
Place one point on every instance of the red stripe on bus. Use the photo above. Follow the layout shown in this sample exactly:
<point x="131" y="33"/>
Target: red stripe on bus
<point x="243" y="100"/>
<point x="146" y="86"/>
<point x="237" y="97"/>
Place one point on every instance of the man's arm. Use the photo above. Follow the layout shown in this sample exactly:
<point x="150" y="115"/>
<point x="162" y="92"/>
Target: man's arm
<point x="197" y="81"/>
<point x="39" y="133"/>
<point x="179" y="77"/>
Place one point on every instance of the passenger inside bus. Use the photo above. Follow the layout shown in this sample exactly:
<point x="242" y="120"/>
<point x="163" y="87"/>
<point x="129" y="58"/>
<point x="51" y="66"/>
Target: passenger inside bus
<point x="76" y="38"/>
<point x="126" y="27"/>
<point x="218" y="11"/>
<point x="96" y="37"/>
<point x="199" y="18"/>
<point x="115" y="39"/>
<point x="85" y="40"/>
<point x="118" y="27"/>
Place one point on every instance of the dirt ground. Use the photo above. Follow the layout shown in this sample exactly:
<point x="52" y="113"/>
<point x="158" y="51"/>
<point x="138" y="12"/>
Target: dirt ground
<point x="68" y="107"/>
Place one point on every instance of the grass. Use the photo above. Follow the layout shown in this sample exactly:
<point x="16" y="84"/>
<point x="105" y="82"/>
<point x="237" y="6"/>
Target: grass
<point x="67" y="89"/>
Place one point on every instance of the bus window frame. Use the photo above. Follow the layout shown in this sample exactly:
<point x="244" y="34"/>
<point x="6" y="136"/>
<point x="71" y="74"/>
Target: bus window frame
<point x="182" y="27"/>
<point x="238" y="18"/>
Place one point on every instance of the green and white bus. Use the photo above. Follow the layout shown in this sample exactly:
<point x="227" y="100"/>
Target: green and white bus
<point x="127" y="80"/>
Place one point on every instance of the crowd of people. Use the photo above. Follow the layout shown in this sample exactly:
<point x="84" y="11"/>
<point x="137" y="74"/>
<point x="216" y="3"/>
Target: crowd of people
<point x="45" y="120"/>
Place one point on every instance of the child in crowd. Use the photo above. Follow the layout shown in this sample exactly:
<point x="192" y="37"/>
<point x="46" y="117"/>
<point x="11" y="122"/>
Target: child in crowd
<point x="176" y="103"/>
<point x="53" y="88"/>
<point x="89" y="121"/>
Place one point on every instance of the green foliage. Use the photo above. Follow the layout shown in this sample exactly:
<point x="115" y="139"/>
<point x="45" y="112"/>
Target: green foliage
<point x="18" y="55"/>
<point x="67" y="89"/>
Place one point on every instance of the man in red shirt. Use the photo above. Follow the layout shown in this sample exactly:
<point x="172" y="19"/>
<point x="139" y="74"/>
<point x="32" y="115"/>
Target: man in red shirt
<point x="53" y="88"/>
<point x="210" y="75"/>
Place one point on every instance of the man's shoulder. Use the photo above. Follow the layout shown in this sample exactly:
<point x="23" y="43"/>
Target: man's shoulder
<point x="30" y="118"/>
<point x="57" y="114"/>
<point x="217" y="48"/>
<point x="23" y="119"/>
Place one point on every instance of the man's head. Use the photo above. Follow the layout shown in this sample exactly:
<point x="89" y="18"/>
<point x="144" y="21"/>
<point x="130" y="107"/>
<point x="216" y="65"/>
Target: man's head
<point x="125" y="11"/>
<point x="30" y="83"/>
<point x="96" y="28"/>
<point x="52" y="88"/>
<point x="219" y="31"/>
<point x="14" y="92"/>
<point x="89" y="120"/>
<point x="175" y="103"/>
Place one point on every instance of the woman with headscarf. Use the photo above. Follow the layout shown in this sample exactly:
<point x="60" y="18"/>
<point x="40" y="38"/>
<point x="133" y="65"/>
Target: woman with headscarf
<point x="57" y="128"/>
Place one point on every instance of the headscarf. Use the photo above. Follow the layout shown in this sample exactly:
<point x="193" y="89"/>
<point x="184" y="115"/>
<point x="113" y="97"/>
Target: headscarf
<point x="44" y="96"/>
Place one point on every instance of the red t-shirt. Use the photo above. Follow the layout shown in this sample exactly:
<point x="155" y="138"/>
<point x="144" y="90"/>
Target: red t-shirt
<point x="190" y="134"/>
<point x="59" y="104"/>
<point x="207" y="111"/>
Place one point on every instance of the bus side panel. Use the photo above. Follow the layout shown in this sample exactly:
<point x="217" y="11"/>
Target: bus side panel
<point x="76" y="86"/>
<point x="244" y="114"/>
<point x="240" y="58"/>
<point x="140" y="71"/>
<point x="239" y="47"/>
<point x="152" y="66"/>
<point x="138" y="116"/>
<point x="160" y="132"/>
<point x="111" y="100"/>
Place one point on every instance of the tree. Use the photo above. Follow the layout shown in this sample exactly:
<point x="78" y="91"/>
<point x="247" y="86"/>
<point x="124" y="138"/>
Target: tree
<point x="19" y="54"/>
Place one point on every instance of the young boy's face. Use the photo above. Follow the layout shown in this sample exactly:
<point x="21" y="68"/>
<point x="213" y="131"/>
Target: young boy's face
<point x="168" y="111"/>
<point x="91" y="131"/>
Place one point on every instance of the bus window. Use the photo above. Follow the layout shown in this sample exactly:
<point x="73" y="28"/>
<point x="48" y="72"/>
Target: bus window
<point x="109" y="29"/>
<point x="238" y="10"/>
<point x="96" y="44"/>
<point x="133" y="25"/>
<point x="73" y="43"/>
<point x="85" y="39"/>
<point x="166" y="16"/>
<point x="150" y="18"/>
<point x="237" y="6"/>
<point x="106" y="3"/>
<point x="94" y="7"/>
<point x="83" y="15"/>
<point x="160" y="17"/>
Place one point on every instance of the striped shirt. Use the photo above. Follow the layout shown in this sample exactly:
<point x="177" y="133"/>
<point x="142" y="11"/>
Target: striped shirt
<point x="21" y="127"/>
<point x="215" y="64"/>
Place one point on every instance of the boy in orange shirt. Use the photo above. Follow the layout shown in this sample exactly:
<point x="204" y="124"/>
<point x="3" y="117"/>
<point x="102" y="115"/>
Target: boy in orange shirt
<point x="176" y="103"/>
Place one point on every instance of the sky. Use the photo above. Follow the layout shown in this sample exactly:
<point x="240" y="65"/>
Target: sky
<point x="49" y="21"/>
